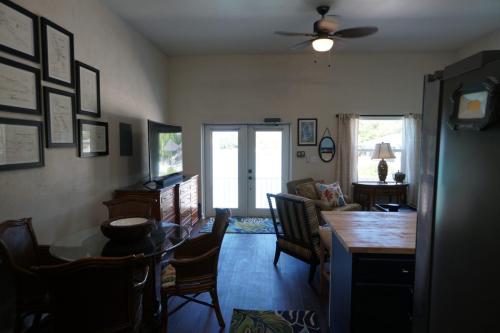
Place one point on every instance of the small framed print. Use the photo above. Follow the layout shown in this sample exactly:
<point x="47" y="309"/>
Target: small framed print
<point x="307" y="129"/>
<point x="18" y="31"/>
<point x="88" y="94"/>
<point x="19" y="87"/>
<point x="92" y="138"/>
<point x="60" y="119"/>
<point x="58" y="54"/>
<point x="21" y="144"/>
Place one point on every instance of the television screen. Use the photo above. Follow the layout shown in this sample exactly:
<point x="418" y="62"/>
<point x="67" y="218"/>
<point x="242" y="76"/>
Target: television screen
<point x="165" y="150"/>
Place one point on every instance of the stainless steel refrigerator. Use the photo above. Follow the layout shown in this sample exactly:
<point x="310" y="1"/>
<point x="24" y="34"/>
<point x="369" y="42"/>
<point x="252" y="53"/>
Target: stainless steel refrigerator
<point x="457" y="280"/>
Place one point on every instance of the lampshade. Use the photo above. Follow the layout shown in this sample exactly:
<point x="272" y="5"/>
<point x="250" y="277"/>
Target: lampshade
<point x="383" y="150"/>
<point x="322" y="44"/>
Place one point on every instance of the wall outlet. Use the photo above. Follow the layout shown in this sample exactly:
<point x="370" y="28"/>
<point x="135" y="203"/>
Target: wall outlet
<point x="301" y="154"/>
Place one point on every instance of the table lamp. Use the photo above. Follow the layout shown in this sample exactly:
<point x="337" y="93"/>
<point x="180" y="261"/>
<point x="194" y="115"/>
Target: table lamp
<point x="382" y="150"/>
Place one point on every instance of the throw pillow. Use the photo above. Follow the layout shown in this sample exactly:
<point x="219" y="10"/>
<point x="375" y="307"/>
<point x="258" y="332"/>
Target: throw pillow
<point x="331" y="193"/>
<point x="307" y="190"/>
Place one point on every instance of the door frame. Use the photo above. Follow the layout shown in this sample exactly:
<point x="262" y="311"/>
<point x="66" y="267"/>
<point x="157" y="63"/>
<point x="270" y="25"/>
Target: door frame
<point x="243" y="154"/>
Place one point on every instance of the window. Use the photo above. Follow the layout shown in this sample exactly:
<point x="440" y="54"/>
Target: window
<point x="373" y="130"/>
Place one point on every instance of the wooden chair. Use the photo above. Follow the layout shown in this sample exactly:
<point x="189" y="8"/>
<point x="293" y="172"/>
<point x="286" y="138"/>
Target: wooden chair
<point x="298" y="232"/>
<point x="131" y="207"/>
<point x="19" y="251"/>
<point x="100" y="295"/>
<point x="193" y="269"/>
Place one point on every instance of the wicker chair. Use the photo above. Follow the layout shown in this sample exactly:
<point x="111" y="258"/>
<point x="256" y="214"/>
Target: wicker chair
<point x="100" y="295"/>
<point x="298" y="230"/>
<point x="19" y="250"/>
<point x="193" y="269"/>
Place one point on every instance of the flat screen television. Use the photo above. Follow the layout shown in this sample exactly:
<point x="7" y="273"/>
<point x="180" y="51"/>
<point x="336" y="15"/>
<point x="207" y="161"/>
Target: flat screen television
<point x="165" y="151"/>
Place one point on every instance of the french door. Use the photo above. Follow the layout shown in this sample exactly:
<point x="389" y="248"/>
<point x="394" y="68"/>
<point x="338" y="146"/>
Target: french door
<point x="242" y="163"/>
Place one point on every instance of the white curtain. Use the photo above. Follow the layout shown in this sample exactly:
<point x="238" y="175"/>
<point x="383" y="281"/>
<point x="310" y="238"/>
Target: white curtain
<point x="410" y="161"/>
<point x="347" y="155"/>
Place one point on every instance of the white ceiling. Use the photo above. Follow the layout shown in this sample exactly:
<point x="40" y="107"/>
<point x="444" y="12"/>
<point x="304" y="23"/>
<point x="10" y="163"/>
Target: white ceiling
<point x="185" y="27"/>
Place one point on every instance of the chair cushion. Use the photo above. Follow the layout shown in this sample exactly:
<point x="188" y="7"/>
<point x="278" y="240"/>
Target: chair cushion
<point x="307" y="190"/>
<point x="331" y="193"/>
<point x="349" y="207"/>
<point x="303" y="252"/>
<point x="168" y="276"/>
<point x="323" y="205"/>
<point x="325" y="234"/>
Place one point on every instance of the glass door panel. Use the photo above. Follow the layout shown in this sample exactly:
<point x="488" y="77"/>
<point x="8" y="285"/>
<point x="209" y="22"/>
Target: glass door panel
<point x="225" y="169"/>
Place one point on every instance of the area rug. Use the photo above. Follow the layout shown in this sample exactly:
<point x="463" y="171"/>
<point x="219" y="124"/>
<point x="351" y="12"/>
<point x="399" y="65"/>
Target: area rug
<point x="244" y="225"/>
<point x="249" y="321"/>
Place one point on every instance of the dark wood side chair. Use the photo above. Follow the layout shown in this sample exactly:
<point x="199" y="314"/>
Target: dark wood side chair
<point x="19" y="251"/>
<point x="298" y="230"/>
<point x="193" y="269"/>
<point x="130" y="207"/>
<point x="98" y="295"/>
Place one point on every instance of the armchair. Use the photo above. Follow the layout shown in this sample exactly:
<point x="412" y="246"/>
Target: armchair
<point x="193" y="269"/>
<point x="300" y="187"/>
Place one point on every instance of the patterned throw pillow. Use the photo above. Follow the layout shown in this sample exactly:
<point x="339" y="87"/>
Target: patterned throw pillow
<point x="331" y="193"/>
<point x="307" y="190"/>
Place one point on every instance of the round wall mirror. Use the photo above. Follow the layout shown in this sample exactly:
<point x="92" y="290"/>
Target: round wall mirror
<point x="326" y="149"/>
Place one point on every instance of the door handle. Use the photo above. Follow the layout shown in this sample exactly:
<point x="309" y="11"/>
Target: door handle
<point x="250" y="178"/>
<point x="249" y="170"/>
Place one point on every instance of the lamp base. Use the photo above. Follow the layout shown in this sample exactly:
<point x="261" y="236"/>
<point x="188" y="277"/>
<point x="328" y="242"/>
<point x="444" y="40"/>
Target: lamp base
<point x="382" y="170"/>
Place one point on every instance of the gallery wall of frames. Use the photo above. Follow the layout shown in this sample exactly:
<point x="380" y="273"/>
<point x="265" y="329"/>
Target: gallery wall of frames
<point x="64" y="114"/>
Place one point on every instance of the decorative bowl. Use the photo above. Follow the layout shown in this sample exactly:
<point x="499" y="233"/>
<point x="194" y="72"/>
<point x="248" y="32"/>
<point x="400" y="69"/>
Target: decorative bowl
<point x="127" y="229"/>
<point x="399" y="177"/>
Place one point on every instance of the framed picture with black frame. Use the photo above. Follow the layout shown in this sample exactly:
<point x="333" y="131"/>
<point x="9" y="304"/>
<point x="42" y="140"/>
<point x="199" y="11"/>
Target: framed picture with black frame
<point x="21" y="144"/>
<point x="60" y="118"/>
<point x="20" y="31"/>
<point x="88" y="96"/>
<point x="92" y="138"/>
<point x="307" y="132"/>
<point x="58" y="54"/>
<point x="19" y="87"/>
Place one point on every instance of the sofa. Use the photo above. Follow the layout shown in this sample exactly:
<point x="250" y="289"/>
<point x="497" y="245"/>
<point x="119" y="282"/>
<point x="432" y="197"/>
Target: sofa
<point x="296" y="187"/>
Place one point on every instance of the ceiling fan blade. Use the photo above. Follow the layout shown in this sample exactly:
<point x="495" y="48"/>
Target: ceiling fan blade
<point x="286" y="33"/>
<point x="355" y="32"/>
<point x="301" y="45"/>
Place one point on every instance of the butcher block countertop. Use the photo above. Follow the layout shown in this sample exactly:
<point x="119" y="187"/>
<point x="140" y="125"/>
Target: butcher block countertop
<point x="374" y="232"/>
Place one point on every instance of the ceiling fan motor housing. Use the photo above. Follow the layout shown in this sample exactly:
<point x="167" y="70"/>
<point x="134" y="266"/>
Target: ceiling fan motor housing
<point x="325" y="26"/>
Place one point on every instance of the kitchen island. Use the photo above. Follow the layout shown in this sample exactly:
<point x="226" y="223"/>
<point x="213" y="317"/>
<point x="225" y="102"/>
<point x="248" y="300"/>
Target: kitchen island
<point x="372" y="271"/>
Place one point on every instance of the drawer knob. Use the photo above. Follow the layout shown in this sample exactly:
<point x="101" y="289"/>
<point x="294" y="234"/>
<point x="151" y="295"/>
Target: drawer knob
<point x="405" y="271"/>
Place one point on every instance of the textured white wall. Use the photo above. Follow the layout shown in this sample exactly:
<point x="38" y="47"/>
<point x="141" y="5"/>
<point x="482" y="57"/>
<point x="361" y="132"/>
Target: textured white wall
<point x="66" y="194"/>
<point x="248" y="88"/>
<point x="489" y="41"/>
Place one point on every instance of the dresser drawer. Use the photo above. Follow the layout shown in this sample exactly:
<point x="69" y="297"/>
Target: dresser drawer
<point x="387" y="270"/>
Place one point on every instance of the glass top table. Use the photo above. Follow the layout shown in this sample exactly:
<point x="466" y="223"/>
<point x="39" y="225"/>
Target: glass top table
<point x="92" y="243"/>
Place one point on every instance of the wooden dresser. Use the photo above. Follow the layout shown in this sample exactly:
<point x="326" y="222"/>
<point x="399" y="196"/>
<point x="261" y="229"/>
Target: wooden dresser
<point x="176" y="203"/>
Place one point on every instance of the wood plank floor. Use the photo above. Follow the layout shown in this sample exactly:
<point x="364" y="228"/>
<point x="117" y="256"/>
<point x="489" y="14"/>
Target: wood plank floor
<point x="249" y="280"/>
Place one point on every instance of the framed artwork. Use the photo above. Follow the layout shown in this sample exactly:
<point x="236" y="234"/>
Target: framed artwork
<point x="21" y="144"/>
<point x="19" y="87"/>
<point x="58" y="54"/>
<point x="92" y="138"/>
<point x="60" y="119"/>
<point x="88" y="94"/>
<point x="18" y="31"/>
<point x="307" y="129"/>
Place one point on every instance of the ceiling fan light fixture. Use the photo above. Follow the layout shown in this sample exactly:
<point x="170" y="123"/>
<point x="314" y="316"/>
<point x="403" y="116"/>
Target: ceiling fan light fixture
<point x="322" y="44"/>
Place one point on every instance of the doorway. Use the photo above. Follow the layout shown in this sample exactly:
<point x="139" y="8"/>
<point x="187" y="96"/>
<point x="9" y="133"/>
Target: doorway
<point x="242" y="163"/>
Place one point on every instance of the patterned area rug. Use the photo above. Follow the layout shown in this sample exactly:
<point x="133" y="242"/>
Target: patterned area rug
<point x="244" y="225"/>
<point x="248" y="321"/>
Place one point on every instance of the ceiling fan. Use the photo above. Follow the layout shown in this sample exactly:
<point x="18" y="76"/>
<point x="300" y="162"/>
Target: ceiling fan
<point x="325" y="32"/>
